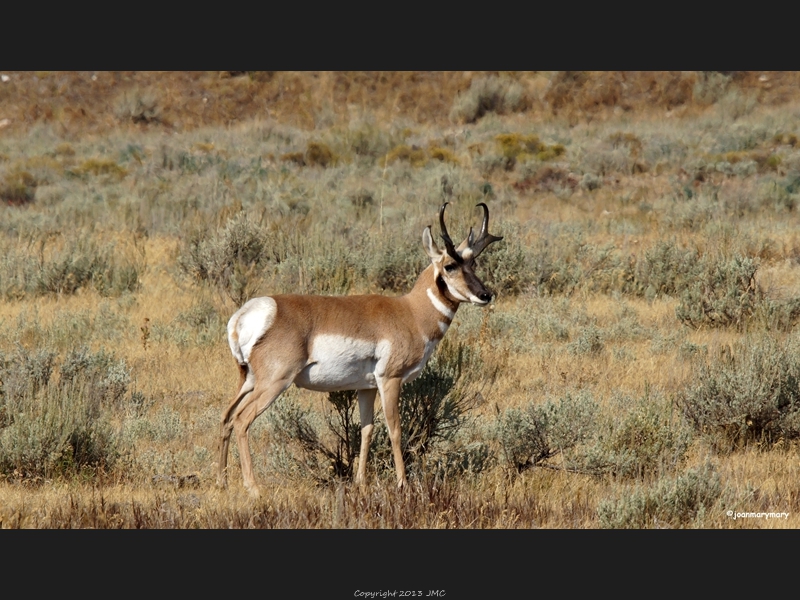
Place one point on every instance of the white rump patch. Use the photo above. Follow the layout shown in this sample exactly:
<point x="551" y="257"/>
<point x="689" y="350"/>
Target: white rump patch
<point x="439" y="305"/>
<point x="337" y="362"/>
<point x="249" y="324"/>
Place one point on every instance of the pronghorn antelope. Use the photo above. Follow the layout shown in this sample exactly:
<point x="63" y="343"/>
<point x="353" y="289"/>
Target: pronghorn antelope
<point x="367" y="343"/>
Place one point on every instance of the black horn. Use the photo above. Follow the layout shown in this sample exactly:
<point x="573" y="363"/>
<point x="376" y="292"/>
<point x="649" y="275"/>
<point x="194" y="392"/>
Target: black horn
<point x="484" y="237"/>
<point x="449" y="245"/>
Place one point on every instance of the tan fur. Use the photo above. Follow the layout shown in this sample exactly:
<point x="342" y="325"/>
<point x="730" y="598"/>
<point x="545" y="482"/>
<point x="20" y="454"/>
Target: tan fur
<point x="406" y="325"/>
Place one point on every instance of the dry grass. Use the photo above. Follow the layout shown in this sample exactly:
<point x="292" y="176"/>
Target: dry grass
<point x="340" y="172"/>
<point x="102" y="101"/>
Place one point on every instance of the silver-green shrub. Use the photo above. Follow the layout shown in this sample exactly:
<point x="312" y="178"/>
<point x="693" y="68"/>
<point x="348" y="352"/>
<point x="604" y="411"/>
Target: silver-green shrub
<point x="723" y="294"/>
<point x="530" y="437"/>
<point x="230" y="259"/>
<point x="489" y="95"/>
<point x="37" y="268"/>
<point x="680" y="501"/>
<point x="749" y="392"/>
<point x="58" y="428"/>
<point x="636" y="438"/>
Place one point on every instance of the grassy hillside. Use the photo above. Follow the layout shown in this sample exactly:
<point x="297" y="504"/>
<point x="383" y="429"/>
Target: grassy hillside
<point x="637" y="369"/>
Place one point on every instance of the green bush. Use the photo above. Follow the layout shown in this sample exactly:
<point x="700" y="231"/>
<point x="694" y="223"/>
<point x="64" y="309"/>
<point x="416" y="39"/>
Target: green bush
<point x="57" y="433"/>
<point x="489" y="94"/>
<point x="106" y="378"/>
<point x="635" y="439"/>
<point x="723" y="294"/>
<point x="323" y="447"/>
<point x="397" y="266"/>
<point x="590" y="341"/>
<point x="554" y="266"/>
<point x="461" y="458"/>
<point x="671" y="502"/>
<point x="49" y="428"/>
<point x="200" y="315"/>
<point x="37" y="268"/>
<point x="365" y="139"/>
<point x="81" y="262"/>
<point x="505" y="266"/>
<point x="230" y="259"/>
<point x="665" y="270"/>
<point x="777" y="314"/>
<point x="530" y="437"/>
<point x="18" y="188"/>
<point x="201" y="324"/>
<point x="20" y="374"/>
<point x="746" y="393"/>
<point x="296" y="449"/>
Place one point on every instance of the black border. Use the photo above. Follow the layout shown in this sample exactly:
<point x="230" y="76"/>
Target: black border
<point x="337" y="564"/>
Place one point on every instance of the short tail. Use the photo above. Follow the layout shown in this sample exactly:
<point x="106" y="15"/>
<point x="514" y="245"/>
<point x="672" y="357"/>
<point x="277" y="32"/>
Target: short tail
<point x="243" y="370"/>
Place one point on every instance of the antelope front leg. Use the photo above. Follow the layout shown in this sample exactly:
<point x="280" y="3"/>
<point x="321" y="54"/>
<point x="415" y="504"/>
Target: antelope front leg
<point x="366" y="409"/>
<point x="390" y="397"/>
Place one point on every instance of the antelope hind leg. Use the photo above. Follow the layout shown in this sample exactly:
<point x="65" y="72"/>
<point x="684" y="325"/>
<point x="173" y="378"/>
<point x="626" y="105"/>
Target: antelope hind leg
<point x="226" y="426"/>
<point x="250" y="407"/>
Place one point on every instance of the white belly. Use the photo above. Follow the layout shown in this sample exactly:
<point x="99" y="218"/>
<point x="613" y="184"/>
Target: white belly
<point x="340" y="363"/>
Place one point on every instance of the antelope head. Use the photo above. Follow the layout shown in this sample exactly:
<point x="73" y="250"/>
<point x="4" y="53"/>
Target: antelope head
<point x="454" y="268"/>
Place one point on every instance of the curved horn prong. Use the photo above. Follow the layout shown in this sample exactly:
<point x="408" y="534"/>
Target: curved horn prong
<point x="449" y="245"/>
<point x="484" y="237"/>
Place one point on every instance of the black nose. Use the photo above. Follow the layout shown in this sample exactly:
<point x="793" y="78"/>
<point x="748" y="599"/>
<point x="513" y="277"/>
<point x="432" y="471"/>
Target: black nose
<point x="485" y="296"/>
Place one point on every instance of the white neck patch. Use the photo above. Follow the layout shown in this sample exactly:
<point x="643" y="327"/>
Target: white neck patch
<point x="440" y="306"/>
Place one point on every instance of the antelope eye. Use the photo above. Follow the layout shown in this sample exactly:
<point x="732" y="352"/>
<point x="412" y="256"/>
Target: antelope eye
<point x="451" y="267"/>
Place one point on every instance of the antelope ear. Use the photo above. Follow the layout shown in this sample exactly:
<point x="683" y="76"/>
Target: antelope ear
<point x="431" y="248"/>
<point x="467" y="243"/>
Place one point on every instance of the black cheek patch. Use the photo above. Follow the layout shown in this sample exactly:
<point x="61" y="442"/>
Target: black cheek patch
<point x="441" y="285"/>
